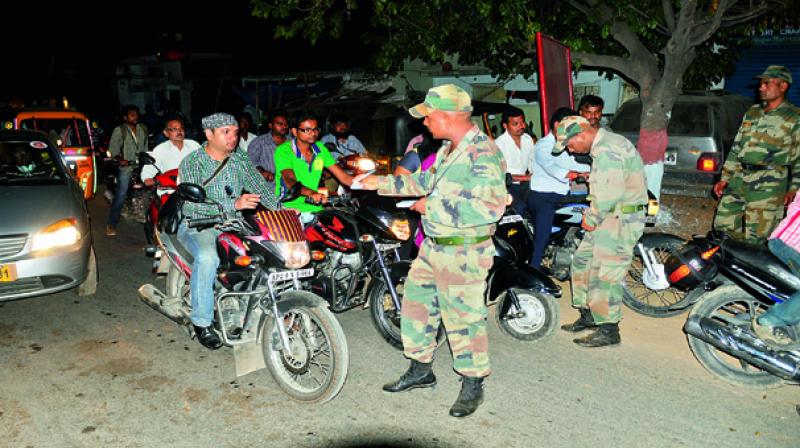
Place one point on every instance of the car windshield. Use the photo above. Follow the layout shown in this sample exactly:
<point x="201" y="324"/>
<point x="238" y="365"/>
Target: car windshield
<point x="688" y="119"/>
<point x="67" y="132"/>
<point x="29" y="163"/>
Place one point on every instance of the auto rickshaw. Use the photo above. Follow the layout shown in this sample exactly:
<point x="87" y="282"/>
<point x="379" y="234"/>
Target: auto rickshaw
<point x="71" y="131"/>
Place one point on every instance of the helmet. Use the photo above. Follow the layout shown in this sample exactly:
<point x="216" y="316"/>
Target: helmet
<point x="692" y="266"/>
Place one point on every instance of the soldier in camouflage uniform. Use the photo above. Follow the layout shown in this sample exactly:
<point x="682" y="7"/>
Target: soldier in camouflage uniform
<point x="465" y="196"/>
<point x="614" y="222"/>
<point x="762" y="171"/>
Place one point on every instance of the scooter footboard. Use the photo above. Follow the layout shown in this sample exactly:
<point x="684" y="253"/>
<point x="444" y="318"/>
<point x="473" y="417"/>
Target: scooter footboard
<point x="519" y="276"/>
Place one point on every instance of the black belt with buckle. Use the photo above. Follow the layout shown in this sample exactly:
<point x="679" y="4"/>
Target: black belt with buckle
<point x="751" y="167"/>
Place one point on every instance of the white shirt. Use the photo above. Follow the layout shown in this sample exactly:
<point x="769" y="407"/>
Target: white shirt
<point x="246" y="140"/>
<point x="516" y="158"/>
<point x="168" y="157"/>
<point x="549" y="172"/>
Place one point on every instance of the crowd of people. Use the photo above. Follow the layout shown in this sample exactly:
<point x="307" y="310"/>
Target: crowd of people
<point x="458" y="173"/>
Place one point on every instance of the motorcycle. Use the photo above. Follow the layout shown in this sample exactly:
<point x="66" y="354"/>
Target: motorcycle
<point x="354" y="250"/>
<point x="138" y="195"/>
<point x="645" y="288"/>
<point x="734" y="283"/>
<point x="259" y="306"/>
<point x="164" y="185"/>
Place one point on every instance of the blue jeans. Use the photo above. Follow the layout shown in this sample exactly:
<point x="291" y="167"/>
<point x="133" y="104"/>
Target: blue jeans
<point x="542" y="207"/>
<point x="123" y="184"/>
<point x="785" y="313"/>
<point x="203" y="247"/>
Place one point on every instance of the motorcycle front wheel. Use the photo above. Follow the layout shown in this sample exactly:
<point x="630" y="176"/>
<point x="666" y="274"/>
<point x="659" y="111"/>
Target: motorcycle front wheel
<point x="386" y="317"/>
<point x="317" y="366"/>
<point x="731" y="306"/>
<point x="640" y="295"/>
<point x="541" y="315"/>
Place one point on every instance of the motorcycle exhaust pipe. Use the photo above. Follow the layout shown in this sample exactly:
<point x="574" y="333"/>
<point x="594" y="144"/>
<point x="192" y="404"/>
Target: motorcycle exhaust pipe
<point x="742" y="345"/>
<point x="150" y="295"/>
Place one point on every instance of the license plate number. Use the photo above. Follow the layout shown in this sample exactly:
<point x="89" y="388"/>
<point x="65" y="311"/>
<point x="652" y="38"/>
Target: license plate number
<point x="8" y="272"/>
<point x="671" y="158"/>
<point x="289" y="275"/>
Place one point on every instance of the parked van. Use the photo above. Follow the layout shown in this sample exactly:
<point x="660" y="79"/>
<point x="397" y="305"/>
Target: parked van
<point x="701" y="132"/>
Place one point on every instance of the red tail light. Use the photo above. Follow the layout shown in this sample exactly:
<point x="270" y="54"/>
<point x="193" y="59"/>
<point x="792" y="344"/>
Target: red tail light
<point x="708" y="162"/>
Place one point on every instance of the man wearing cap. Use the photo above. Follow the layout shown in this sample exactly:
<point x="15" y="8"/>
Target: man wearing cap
<point x="762" y="171"/>
<point x="614" y="222"/>
<point x="463" y="197"/>
<point x="223" y="172"/>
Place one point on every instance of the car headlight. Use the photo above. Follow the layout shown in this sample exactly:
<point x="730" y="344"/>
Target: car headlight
<point x="59" y="234"/>
<point x="295" y="254"/>
<point x="401" y="229"/>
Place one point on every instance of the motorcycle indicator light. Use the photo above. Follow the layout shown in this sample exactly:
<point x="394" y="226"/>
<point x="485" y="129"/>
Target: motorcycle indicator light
<point x="401" y="229"/>
<point x="317" y="255"/>
<point x="679" y="274"/>
<point x="243" y="261"/>
<point x="709" y="253"/>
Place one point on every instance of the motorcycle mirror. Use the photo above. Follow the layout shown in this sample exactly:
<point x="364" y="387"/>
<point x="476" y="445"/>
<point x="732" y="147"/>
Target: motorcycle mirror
<point x="192" y="192"/>
<point x="146" y="159"/>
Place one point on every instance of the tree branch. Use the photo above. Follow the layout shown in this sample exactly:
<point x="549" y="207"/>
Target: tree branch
<point x="669" y="15"/>
<point x="659" y="27"/>
<point x="702" y="31"/>
<point x="623" y="66"/>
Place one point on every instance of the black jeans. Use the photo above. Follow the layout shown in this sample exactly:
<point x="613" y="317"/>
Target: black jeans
<point x="542" y="206"/>
<point x="519" y="193"/>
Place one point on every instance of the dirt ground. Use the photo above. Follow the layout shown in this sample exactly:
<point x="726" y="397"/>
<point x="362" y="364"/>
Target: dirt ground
<point x="685" y="216"/>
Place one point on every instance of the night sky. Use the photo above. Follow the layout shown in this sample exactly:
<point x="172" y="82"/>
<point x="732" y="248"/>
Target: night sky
<point x="56" y="49"/>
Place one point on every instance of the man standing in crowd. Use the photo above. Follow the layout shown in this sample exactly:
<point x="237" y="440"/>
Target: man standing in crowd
<point x="762" y="171"/>
<point x="614" y="222"/>
<point x="245" y="136"/>
<point x="262" y="150"/>
<point x="590" y="107"/>
<point x="464" y="196"/>
<point x="345" y="143"/>
<point x="127" y="141"/>
<point x="170" y="153"/>
<point x="224" y="173"/>
<point x="550" y="184"/>
<point x="517" y="147"/>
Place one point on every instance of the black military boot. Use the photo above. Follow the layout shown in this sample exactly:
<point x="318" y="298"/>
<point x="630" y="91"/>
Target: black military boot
<point x="606" y="334"/>
<point x="585" y="322"/>
<point x="470" y="397"/>
<point x="418" y="375"/>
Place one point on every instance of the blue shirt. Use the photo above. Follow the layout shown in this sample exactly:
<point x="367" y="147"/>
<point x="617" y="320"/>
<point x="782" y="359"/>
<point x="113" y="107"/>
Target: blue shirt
<point x="548" y="172"/>
<point x="350" y="146"/>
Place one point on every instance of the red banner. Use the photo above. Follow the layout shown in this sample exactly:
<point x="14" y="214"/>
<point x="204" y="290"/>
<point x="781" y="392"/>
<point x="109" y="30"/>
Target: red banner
<point x="555" y="77"/>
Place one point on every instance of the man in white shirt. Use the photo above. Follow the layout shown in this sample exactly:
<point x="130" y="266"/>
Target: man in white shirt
<point x="169" y="154"/>
<point x="549" y="184"/>
<point x="245" y="136"/>
<point x="517" y="147"/>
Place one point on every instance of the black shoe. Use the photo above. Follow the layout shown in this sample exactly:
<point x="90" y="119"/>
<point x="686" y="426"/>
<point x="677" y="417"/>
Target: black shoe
<point x="418" y="375"/>
<point x="606" y="334"/>
<point x="585" y="322"/>
<point x="470" y="397"/>
<point x="207" y="337"/>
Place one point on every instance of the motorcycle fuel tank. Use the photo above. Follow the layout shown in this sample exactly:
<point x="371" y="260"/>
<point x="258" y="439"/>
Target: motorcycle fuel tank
<point x="334" y="229"/>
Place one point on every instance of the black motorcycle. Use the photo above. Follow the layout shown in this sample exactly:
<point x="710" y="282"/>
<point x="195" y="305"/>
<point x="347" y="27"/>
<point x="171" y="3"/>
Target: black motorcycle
<point x="734" y="282"/>
<point x="138" y="196"/>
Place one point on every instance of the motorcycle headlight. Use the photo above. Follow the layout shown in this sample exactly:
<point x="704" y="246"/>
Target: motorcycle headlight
<point x="59" y="234"/>
<point x="401" y="229"/>
<point x="365" y="164"/>
<point x="295" y="254"/>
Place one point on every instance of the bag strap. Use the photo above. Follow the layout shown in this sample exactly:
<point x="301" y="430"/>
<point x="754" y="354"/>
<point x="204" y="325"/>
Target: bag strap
<point x="219" y="168"/>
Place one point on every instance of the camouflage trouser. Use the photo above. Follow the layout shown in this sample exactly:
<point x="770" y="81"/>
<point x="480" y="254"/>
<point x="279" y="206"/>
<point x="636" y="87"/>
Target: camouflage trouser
<point x="600" y="264"/>
<point x="751" y="206"/>
<point x="447" y="283"/>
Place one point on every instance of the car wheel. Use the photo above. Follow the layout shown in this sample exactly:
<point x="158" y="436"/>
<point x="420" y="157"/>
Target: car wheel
<point x="89" y="286"/>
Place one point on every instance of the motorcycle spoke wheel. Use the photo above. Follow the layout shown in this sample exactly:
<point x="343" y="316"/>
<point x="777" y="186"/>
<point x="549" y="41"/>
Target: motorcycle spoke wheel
<point x="637" y="296"/>
<point x="387" y="318"/>
<point x="316" y="368"/>
<point x="730" y="306"/>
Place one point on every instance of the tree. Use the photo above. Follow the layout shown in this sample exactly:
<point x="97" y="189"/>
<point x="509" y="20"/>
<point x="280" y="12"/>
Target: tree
<point x="662" y="47"/>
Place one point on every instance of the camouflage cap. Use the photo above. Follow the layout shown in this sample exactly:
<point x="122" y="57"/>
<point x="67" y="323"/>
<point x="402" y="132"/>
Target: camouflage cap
<point x="567" y="128"/>
<point x="219" y="120"/>
<point x="776" y="72"/>
<point x="448" y="97"/>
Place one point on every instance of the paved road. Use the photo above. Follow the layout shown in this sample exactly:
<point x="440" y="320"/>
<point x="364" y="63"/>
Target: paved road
<point x="109" y="371"/>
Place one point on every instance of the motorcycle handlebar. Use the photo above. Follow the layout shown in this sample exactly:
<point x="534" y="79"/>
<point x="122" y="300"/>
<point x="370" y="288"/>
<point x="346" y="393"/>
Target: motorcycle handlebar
<point x="204" y="222"/>
<point x="333" y="200"/>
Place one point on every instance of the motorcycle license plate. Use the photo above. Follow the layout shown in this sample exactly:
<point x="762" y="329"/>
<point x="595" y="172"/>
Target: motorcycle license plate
<point x="289" y="275"/>
<point x="8" y="272"/>
<point x="671" y="157"/>
<point x="510" y="218"/>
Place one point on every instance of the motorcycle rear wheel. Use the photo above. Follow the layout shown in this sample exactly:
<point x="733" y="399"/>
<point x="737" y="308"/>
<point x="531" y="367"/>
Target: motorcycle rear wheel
<point x="386" y="317"/>
<point x="637" y="296"/>
<point x="317" y="368"/>
<point x="730" y="305"/>
<point x="542" y="315"/>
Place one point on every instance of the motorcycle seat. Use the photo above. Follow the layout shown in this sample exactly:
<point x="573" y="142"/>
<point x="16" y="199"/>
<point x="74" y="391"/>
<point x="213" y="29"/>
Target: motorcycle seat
<point x="757" y="255"/>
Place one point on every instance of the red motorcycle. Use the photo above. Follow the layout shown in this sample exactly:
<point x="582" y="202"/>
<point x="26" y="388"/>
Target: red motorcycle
<point x="165" y="184"/>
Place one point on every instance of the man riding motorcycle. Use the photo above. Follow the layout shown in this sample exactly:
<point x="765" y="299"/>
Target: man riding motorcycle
<point x="224" y="173"/>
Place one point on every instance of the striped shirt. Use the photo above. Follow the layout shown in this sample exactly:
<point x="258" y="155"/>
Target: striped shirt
<point x="239" y="174"/>
<point x="788" y="230"/>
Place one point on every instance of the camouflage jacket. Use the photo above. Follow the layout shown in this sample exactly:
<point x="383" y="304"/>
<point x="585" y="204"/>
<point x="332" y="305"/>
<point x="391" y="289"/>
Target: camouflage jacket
<point x="771" y="138"/>
<point x="616" y="179"/>
<point x="465" y="189"/>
